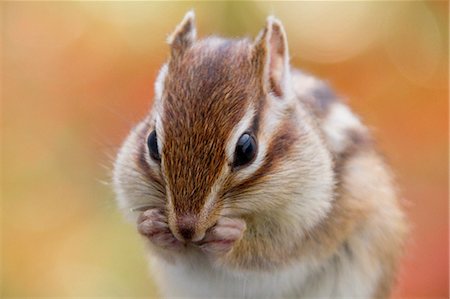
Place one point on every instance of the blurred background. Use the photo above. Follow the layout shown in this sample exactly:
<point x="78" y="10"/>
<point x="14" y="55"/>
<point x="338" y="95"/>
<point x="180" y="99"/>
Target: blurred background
<point x="77" y="75"/>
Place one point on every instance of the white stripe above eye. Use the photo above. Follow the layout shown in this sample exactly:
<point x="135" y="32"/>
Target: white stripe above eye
<point x="242" y="127"/>
<point x="159" y="132"/>
<point x="159" y="83"/>
<point x="157" y="108"/>
<point x="154" y="122"/>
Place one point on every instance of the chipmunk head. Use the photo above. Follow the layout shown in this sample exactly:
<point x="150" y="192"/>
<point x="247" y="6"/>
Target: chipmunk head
<point x="225" y="135"/>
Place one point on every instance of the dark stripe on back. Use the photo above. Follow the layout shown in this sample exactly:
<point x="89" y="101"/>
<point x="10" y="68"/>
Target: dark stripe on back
<point x="319" y="98"/>
<point x="324" y="97"/>
<point x="357" y="142"/>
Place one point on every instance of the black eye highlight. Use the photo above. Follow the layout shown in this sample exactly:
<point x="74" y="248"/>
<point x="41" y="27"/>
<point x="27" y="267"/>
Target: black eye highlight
<point x="246" y="149"/>
<point x="152" y="143"/>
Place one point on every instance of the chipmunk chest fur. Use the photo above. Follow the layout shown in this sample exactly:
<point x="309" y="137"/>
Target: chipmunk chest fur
<point x="249" y="179"/>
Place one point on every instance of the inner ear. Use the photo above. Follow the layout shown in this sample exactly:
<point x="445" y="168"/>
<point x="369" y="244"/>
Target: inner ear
<point x="184" y="35"/>
<point x="277" y="61"/>
<point x="271" y="46"/>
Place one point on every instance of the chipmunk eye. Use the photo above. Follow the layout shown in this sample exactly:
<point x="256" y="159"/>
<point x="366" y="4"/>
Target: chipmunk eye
<point x="152" y="143"/>
<point x="245" y="150"/>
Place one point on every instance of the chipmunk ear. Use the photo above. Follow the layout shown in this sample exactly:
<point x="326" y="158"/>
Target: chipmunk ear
<point x="184" y="35"/>
<point x="271" y="57"/>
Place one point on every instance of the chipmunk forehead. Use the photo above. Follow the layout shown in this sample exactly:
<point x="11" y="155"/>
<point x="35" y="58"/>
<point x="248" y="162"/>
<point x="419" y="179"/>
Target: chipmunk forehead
<point x="211" y="83"/>
<point x="210" y="62"/>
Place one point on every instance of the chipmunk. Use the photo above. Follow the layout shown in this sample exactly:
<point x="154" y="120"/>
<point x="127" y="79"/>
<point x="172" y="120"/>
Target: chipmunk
<point x="249" y="179"/>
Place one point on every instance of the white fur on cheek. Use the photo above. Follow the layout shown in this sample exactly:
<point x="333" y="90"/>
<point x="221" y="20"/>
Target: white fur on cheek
<point x="133" y="189"/>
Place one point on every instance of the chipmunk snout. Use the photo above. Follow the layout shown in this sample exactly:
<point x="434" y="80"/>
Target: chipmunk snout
<point x="187" y="229"/>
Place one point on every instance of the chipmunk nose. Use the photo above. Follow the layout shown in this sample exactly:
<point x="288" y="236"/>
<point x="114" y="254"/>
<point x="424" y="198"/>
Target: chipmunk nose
<point x="186" y="226"/>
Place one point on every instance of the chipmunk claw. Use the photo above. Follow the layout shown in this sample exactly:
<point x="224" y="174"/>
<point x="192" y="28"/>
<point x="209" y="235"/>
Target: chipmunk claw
<point x="153" y="224"/>
<point x="221" y="238"/>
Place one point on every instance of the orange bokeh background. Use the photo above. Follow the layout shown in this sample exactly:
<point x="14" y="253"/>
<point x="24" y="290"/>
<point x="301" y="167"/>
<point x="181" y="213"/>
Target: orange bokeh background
<point x="77" y="75"/>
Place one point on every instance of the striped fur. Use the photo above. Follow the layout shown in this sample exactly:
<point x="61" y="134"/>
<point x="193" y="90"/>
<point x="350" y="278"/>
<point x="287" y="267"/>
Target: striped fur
<point x="319" y="204"/>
